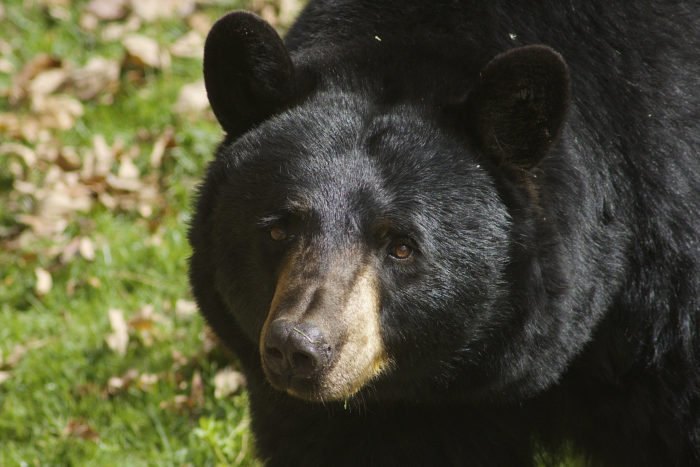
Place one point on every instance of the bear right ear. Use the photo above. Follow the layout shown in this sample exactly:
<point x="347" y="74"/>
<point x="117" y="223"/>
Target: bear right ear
<point x="519" y="104"/>
<point x="248" y="73"/>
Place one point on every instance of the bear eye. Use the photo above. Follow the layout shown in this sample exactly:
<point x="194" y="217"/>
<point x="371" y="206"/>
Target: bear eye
<point x="400" y="250"/>
<point x="277" y="233"/>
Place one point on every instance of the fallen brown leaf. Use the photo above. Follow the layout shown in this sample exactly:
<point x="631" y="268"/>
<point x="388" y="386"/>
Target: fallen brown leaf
<point x="99" y="76"/>
<point x="47" y="82"/>
<point x="191" y="45"/>
<point x="191" y="402"/>
<point x="145" y="319"/>
<point x="32" y="68"/>
<point x="209" y="340"/>
<point x="118" y="339"/>
<point x="144" y="52"/>
<point x="68" y="159"/>
<point x="151" y="10"/>
<point x="288" y="11"/>
<point x="119" y="384"/>
<point x="79" y="428"/>
<point x="6" y="67"/>
<point x="165" y="140"/>
<point x="147" y="381"/>
<point x="185" y="308"/>
<point x="87" y="249"/>
<point x="69" y="251"/>
<point x="196" y="391"/>
<point x="27" y="155"/>
<point x="4" y="376"/>
<point x="192" y="99"/>
<point x="108" y="10"/>
<point x="43" y="282"/>
<point x="228" y="381"/>
<point x="117" y="31"/>
<point x="56" y="111"/>
<point x="200" y="22"/>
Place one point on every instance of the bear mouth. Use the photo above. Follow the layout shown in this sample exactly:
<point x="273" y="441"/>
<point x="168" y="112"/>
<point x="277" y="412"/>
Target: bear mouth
<point x="307" y="388"/>
<point x="337" y="384"/>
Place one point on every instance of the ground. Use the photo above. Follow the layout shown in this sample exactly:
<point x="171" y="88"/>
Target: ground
<point x="79" y="383"/>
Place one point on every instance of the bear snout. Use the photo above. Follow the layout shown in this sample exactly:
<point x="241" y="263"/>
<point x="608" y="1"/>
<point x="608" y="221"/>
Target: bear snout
<point x="295" y="351"/>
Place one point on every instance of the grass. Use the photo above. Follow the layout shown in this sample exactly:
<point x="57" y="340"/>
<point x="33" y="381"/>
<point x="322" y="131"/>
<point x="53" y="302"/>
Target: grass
<point x="59" y="404"/>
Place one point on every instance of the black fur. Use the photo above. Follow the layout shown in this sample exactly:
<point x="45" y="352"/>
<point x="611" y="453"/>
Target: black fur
<point x="554" y="201"/>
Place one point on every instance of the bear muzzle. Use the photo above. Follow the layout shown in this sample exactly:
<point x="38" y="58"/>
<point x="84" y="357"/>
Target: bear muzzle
<point x="295" y="352"/>
<point x="322" y="336"/>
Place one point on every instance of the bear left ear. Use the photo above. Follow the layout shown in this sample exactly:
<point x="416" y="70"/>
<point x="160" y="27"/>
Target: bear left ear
<point x="247" y="71"/>
<point x="519" y="105"/>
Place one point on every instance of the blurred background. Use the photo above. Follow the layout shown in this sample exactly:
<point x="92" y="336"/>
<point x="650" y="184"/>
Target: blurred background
<point x="105" y="131"/>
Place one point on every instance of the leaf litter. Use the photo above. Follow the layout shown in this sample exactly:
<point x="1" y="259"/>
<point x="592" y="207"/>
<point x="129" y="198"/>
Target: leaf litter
<point x="55" y="186"/>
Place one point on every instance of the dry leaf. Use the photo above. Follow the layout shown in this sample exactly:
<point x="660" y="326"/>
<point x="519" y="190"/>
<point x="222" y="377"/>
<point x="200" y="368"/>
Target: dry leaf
<point x="117" y="31"/>
<point x="124" y="184"/>
<point x="209" y="340"/>
<point x="227" y="381"/>
<point x="191" y="45"/>
<point x="164" y="141"/>
<point x="89" y="22"/>
<point x="142" y="52"/>
<point x="21" y="127"/>
<point x="21" y="81"/>
<point x="193" y="401"/>
<point x="47" y="82"/>
<point x="196" y="399"/>
<point x="185" y="308"/>
<point x="87" y="249"/>
<point x="42" y="227"/>
<point x="147" y="381"/>
<point x="269" y="14"/>
<point x="59" y="197"/>
<point x="6" y="66"/>
<point x="108" y="10"/>
<point x="69" y="251"/>
<point x="127" y="169"/>
<point x="4" y="376"/>
<point x="79" y="428"/>
<point x="28" y="156"/>
<point x="57" y="112"/>
<point x="68" y="159"/>
<point x="192" y="99"/>
<point x="118" y="340"/>
<point x="98" y="162"/>
<point x="99" y="75"/>
<point x="151" y="10"/>
<point x="43" y="282"/>
<point x="145" y="319"/>
<point x="118" y="384"/>
<point x="289" y="10"/>
<point x="200" y="22"/>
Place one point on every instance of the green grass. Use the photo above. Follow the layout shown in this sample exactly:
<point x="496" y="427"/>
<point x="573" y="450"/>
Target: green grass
<point x="62" y="379"/>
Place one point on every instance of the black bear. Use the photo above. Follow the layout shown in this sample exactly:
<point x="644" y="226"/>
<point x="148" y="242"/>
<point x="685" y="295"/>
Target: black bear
<point x="459" y="232"/>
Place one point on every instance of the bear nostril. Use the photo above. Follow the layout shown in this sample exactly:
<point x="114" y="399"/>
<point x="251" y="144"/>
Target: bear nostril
<point x="296" y="349"/>
<point x="303" y="364"/>
<point x="274" y="354"/>
<point x="275" y="360"/>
